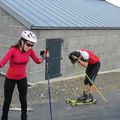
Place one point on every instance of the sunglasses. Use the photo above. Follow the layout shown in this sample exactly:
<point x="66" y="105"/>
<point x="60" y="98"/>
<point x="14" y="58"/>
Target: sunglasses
<point x="29" y="45"/>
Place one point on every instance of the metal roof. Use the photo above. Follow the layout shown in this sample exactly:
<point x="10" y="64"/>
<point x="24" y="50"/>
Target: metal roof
<point x="67" y="14"/>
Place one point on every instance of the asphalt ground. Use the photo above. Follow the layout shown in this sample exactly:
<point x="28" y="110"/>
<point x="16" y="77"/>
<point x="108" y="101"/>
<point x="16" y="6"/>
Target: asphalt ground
<point x="63" y="111"/>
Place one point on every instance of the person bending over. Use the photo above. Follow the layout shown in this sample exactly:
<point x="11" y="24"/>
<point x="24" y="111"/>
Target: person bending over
<point x="91" y="62"/>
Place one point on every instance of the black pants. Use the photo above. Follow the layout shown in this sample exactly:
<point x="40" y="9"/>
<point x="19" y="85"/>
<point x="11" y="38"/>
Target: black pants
<point x="91" y="71"/>
<point x="8" y="91"/>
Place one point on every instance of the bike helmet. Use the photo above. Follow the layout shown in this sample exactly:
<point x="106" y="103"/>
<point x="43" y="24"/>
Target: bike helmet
<point x="30" y="36"/>
<point x="74" y="56"/>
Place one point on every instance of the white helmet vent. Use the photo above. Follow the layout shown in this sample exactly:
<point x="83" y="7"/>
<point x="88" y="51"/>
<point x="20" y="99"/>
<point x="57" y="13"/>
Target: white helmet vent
<point x="30" y="36"/>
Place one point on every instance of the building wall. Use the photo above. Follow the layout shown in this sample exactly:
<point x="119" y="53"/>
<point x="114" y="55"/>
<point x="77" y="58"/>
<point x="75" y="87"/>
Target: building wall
<point x="105" y="43"/>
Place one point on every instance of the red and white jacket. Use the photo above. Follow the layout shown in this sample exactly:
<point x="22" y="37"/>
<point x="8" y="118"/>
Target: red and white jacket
<point x="89" y="56"/>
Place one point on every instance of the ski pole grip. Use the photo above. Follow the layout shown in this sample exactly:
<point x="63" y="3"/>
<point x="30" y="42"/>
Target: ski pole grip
<point x="44" y="53"/>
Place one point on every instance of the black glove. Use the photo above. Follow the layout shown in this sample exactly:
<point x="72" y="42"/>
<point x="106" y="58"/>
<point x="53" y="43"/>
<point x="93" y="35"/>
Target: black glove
<point x="44" y="53"/>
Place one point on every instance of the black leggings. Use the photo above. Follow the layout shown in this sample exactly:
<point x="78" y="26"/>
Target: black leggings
<point x="91" y="71"/>
<point x="8" y="92"/>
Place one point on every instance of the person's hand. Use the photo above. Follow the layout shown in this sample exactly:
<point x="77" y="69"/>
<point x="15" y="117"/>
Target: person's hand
<point x="44" y="54"/>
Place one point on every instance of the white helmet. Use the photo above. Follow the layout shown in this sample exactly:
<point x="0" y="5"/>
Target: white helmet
<point x="30" y="36"/>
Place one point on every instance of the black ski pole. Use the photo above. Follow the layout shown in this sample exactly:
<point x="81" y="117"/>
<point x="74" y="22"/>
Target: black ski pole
<point x="49" y="91"/>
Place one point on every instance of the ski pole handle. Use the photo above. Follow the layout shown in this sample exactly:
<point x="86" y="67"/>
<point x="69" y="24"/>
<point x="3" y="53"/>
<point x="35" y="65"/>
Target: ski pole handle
<point x="44" y="54"/>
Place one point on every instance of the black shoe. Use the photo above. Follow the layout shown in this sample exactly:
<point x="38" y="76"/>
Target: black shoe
<point x="89" y="99"/>
<point x="82" y="98"/>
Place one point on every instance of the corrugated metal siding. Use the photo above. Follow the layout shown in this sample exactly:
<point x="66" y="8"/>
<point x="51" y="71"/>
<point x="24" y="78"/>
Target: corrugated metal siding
<point x="63" y="13"/>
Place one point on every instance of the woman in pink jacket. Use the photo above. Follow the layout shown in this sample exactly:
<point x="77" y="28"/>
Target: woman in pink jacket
<point x="18" y="56"/>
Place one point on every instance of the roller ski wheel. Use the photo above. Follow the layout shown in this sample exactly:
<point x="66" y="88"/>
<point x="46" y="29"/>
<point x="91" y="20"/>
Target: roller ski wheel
<point x="68" y="101"/>
<point x="94" y="101"/>
<point x="73" y="104"/>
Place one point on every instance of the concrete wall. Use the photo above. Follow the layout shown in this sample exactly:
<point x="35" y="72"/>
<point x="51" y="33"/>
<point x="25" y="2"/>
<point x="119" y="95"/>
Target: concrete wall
<point x="105" y="43"/>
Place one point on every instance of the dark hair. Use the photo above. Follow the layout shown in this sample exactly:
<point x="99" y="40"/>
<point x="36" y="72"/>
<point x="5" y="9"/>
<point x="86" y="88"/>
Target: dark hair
<point x="72" y="58"/>
<point x="17" y="45"/>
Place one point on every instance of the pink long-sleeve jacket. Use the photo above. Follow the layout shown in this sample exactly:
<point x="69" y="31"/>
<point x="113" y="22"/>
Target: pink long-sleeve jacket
<point x="17" y="62"/>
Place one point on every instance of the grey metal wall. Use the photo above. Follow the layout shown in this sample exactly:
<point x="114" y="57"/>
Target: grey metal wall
<point x="105" y="43"/>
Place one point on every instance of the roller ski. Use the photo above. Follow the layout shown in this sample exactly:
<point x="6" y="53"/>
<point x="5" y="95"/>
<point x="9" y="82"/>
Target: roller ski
<point x="73" y="102"/>
<point x="84" y="100"/>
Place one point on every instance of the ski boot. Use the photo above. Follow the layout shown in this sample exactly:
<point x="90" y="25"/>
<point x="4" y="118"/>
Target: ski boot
<point x="83" y="97"/>
<point x="89" y="98"/>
